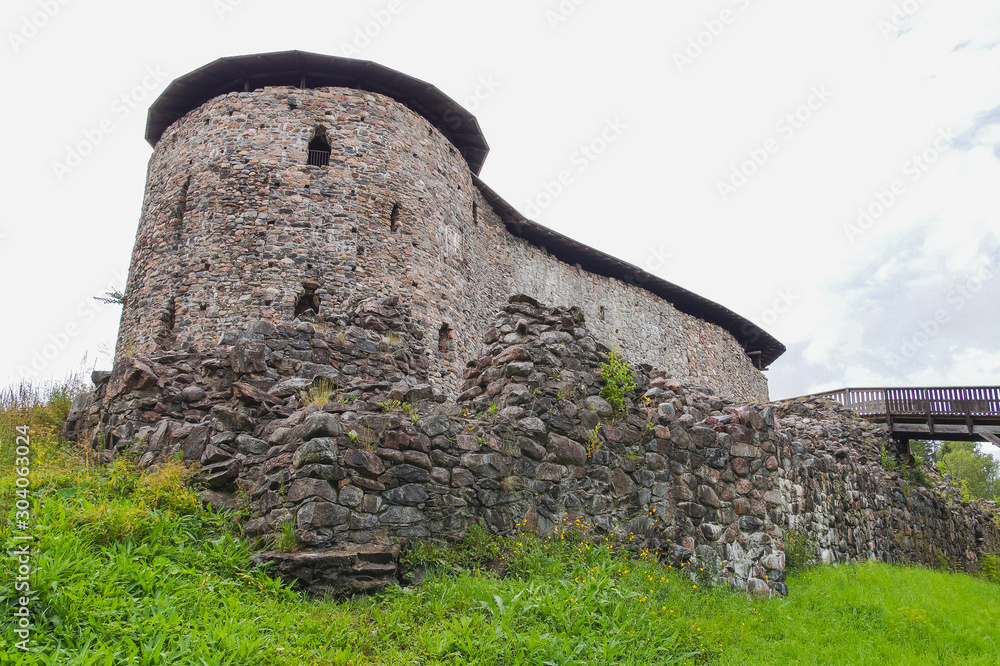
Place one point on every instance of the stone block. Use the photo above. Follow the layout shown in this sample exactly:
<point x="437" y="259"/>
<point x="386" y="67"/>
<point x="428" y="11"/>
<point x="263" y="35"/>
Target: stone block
<point x="531" y="448"/>
<point x="708" y="497"/>
<point x="621" y="484"/>
<point x="432" y="426"/>
<point x="320" y="451"/>
<point x="251" y="446"/>
<point x="598" y="405"/>
<point x="314" y="515"/>
<point x="302" y="489"/>
<point x="567" y="452"/>
<point x="744" y="451"/>
<point x="409" y="495"/>
<point x="363" y="461"/>
<point x="327" y="472"/>
<point x="418" y="458"/>
<point x="351" y="496"/>
<point x="532" y="425"/>
<point x="549" y="472"/>
<point x="401" y="515"/>
<point x="703" y="437"/>
<point x="410" y="473"/>
<point x="519" y="369"/>
<point x="461" y="477"/>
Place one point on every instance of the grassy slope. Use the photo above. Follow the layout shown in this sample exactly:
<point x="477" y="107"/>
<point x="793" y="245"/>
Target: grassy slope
<point x="132" y="570"/>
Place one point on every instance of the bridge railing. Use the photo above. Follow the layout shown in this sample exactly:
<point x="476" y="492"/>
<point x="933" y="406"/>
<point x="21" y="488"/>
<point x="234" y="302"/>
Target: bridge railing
<point x="940" y="401"/>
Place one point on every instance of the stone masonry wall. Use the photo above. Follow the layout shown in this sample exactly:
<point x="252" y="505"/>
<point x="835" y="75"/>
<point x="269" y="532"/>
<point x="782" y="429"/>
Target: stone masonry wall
<point x="838" y="492"/>
<point x="682" y="472"/>
<point x="236" y="227"/>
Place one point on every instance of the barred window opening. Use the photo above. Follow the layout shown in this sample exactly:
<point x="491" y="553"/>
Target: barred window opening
<point x="319" y="150"/>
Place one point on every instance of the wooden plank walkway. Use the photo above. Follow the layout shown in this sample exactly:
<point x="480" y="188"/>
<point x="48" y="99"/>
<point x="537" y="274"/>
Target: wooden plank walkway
<point x="967" y="414"/>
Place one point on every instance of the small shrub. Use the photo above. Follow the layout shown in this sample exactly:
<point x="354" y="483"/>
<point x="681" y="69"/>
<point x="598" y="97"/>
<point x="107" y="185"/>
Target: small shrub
<point x="122" y="479"/>
<point x="942" y="562"/>
<point x="594" y="441"/>
<point x="285" y="539"/>
<point x="426" y="554"/>
<point x="509" y="447"/>
<point x="511" y="484"/>
<point x="619" y="381"/>
<point x="476" y="549"/>
<point x="800" y="549"/>
<point x="370" y="437"/>
<point x="888" y="459"/>
<point x="166" y="488"/>
<point x="915" y="474"/>
<point x="41" y="407"/>
<point x="481" y="546"/>
<point x="389" y="405"/>
<point x="318" y="394"/>
<point x="989" y="567"/>
<point x="113" y="521"/>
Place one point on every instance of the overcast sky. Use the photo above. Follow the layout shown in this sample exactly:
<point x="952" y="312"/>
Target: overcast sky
<point x="830" y="171"/>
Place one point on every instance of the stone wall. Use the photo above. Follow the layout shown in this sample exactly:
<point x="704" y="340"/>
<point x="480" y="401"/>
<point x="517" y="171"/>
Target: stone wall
<point x="236" y="228"/>
<point x="682" y="472"/>
<point x="838" y="492"/>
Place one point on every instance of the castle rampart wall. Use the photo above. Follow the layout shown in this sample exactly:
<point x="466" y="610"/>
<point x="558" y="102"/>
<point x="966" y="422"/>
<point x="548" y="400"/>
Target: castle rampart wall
<point x="680" y="473"/>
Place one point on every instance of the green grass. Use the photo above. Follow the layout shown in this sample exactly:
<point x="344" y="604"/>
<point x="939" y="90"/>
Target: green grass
<point x="873" y="614"/>
<point x="131" y="570"/>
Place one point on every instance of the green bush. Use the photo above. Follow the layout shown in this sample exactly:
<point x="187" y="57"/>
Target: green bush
<point x="888" y="458"/>
<point x="800" y="549"/>
<point x="285" y="539"/>
<point x="619" y="380"/>
<point x="989" y="567"/>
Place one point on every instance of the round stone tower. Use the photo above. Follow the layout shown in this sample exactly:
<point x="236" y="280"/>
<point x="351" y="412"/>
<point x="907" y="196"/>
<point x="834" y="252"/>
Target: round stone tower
<point x="266" y="200"/>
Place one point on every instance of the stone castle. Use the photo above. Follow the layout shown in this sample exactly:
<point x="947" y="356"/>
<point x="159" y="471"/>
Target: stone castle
<point x="349" y="331"/>
<point x="291" y="181"/>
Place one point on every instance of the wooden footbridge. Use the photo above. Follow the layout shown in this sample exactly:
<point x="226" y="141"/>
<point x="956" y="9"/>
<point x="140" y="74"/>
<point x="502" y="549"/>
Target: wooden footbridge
<point x="970" y="414"/>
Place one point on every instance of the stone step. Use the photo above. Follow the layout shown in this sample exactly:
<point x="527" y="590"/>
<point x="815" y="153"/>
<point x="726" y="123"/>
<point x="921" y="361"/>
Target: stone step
<point x="338" y="572"/>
